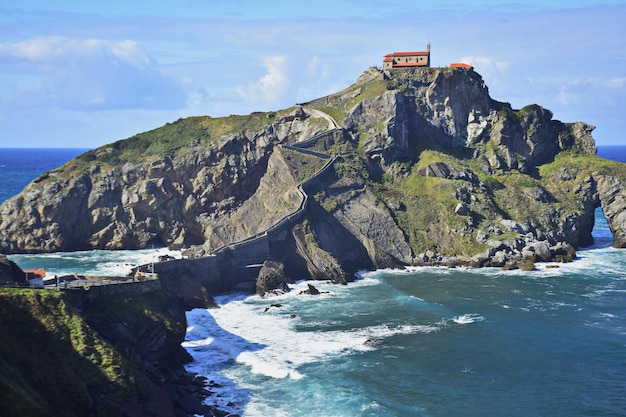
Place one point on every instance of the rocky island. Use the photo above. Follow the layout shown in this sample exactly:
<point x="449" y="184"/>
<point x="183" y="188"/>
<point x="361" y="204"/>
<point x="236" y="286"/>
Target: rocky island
<point x="420" y="166"/>
<point x="411" y="166"/>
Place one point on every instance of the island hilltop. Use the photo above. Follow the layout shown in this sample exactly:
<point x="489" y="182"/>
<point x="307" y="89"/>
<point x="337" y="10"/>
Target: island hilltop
<point x="410" y="165"/>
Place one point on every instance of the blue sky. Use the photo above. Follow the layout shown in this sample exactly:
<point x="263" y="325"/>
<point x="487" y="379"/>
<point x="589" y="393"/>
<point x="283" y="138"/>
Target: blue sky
<point x="86" y="73"/>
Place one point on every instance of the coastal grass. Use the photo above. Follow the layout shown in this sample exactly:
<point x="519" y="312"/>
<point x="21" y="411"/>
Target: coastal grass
<point x="137" y="311"/>
<point x="54" y="360"/>
<point x="175" y="138"/>
<point x="49" y="354"/>
<point x="424" y="208"/>
<point x="338" y="105"/>
<point x="581" y="166"/>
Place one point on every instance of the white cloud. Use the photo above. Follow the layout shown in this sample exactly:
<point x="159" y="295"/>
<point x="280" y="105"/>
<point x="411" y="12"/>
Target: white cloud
<point x="593" y="91"/>
<point x="616" y="82"/>
<point x="271" y="87"/>
<point x="318" y="70"/>
<point x="313" y="66"/>
<point x="90" y="74"/>
<point x="487" y="64"/>
<point x="565" y="96"/>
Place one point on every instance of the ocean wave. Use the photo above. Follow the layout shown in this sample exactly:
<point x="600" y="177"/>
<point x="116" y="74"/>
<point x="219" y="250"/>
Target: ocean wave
<point x="467" y="318"/>
<point x="275" y="342"/>
<point x="92" y="262"/>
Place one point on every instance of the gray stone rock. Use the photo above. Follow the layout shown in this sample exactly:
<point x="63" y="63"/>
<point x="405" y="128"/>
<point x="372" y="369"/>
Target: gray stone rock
<point x="462" y="209"/>
<point x="272" y="279"/>
<point x="542" y="250"/>
<point x="511" y="225"/>
<point x="612" y="195"/>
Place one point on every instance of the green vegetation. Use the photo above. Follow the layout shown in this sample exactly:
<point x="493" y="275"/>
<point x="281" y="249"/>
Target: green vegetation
<point x="171" y="139"/>
<point x="584" y="164"/>
<point x="139" y="311"/>
<point x="309" y="237"/>
<point x="302" y="166"/>
<point x="49" y="354"/>
<point x="53" y="361"/>
<point x="339" y="104"/>
<point x="429" y="216"/>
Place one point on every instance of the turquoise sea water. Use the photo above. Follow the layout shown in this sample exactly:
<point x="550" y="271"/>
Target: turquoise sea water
<point x="427" y="342"/>
<point x="416" y="342"/>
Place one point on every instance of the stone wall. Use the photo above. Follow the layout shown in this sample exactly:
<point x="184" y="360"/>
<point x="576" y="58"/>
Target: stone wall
<point x="78" y="295"/>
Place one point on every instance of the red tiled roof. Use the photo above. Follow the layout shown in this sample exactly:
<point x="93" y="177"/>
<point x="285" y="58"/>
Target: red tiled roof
<point x="35" y="273"/>
<point x="422" y="53"/>
<point x="460" y="65"/>
<point x="388" y="58"/>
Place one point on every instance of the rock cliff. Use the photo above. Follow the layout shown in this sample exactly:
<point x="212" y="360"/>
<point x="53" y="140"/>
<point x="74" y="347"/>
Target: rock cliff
<point x="10" y="272"/>
<point x="428" y="169"/>
<point x="66" y="353"/>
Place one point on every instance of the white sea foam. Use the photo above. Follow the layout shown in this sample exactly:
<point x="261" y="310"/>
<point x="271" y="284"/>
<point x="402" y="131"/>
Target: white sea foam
<point x="271" y="341"/>
<point x="467" y="318"/>
<point x="92" y="262"/>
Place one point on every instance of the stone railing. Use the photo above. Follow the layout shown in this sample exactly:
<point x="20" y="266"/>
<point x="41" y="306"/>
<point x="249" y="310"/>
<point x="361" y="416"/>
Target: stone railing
<point x="297" y="214"/>
<point x="236" y="263"/>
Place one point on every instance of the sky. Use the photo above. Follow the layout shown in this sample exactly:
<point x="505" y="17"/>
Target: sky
<point x="84" y="73"/>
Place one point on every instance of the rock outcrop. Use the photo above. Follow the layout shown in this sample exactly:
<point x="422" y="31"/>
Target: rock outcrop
<point x="272" y="279"/>
<point x="9" y="271"/>
<point x="613" y="200"/>
<point x="178" y="200"/>
<point x="426" y="169"/>
<point x="67" y="354"/>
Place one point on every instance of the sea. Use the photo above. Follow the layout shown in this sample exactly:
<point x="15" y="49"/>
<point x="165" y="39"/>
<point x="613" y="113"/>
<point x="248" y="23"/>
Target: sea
<point x="413" y="342"/>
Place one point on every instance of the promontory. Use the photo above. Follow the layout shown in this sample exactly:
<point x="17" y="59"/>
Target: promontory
<point x="416" y="166"/>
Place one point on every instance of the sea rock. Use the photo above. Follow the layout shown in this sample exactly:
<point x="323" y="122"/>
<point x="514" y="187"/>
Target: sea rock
<point x="311" y="290"/>
<point x="562" y="252"/>
<point x="612" y="195"/>
<point x="272" y="279"/>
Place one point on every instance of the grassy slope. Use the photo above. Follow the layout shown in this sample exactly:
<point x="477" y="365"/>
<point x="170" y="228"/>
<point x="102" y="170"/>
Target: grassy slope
<point x="174" y="138"/>
<point x="49" y="355"/>
<point x="54" y="363"/>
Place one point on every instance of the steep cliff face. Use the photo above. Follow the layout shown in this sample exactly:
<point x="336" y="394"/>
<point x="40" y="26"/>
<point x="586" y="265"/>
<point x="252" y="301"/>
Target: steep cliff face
<point x="428" y="168"/>
<point x="613" y="199"/>
<point x="447" y="109"/>
<point x="65" y="356"/>
<point x="119" y="197"/>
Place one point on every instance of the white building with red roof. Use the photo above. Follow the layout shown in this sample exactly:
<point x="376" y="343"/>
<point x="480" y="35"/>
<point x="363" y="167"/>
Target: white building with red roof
<point x="407" y="59"/>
